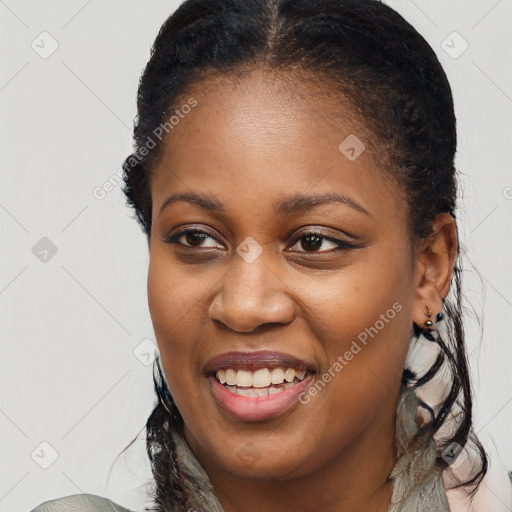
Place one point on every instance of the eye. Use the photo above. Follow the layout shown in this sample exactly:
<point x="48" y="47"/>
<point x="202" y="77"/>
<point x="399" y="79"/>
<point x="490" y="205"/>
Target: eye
<point x="313" y="242"/>
<point x="193" y="238"/>
<point x="310" y="242"/>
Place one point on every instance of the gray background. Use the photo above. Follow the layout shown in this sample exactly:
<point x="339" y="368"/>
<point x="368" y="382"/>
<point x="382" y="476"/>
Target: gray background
<point x="76" y="332"/>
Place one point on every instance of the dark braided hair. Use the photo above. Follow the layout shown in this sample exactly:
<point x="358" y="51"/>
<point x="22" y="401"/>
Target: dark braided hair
<point x="391" y="79"/>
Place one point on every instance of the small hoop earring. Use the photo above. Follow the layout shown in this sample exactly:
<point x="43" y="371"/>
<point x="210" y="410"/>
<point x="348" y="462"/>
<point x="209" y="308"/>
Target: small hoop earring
<point x="428" y="322"/>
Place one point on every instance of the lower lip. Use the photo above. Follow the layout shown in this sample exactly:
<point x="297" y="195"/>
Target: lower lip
<point x="257" y="408"/>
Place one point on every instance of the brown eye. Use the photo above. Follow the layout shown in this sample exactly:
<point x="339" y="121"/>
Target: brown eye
<point x="193" y="238"/>
<point x="313" y="242"/>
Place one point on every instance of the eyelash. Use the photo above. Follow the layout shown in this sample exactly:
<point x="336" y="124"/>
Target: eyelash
<point x="341" y="244"/>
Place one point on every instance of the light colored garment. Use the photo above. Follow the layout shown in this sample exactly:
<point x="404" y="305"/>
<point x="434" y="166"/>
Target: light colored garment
<point x="494" y="493"/>
<point x="80" y="503"/>
<point x="492" y="496"/>
<point x="486" y="500"/>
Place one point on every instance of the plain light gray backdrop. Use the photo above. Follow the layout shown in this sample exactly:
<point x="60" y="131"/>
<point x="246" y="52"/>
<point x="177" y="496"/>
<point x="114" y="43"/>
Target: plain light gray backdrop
<point x="75" y="325"/>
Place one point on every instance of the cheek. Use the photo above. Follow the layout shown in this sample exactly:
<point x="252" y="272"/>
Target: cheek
<point x="369" y="300"/>
<point x="176" y="307"/>
<point x="363" y="319"/>
<point x="175" y="294"/>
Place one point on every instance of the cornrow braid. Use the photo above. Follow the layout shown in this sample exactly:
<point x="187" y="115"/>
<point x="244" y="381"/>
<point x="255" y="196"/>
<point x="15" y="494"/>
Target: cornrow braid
<point x="161" y="448"/>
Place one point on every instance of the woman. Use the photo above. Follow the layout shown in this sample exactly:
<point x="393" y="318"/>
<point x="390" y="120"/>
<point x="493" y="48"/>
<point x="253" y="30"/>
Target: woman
<point x="293" y="173"/>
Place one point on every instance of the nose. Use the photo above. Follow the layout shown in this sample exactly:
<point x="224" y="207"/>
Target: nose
<point x="252" y="295"/>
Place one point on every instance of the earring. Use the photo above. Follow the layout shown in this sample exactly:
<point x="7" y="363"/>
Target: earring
<point x="428" y="322"/>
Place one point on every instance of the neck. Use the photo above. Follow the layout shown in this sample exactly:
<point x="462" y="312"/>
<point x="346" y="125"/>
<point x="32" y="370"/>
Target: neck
<point x="354" y="480"/>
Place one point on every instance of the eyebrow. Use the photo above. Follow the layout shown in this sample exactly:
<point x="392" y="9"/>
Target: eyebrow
<point x="299" y="203"/>
<point x="296" y="203"/>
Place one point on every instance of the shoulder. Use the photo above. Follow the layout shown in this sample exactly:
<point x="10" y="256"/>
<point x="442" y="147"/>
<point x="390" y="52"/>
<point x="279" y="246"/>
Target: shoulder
<point x="494" y="493"/>
<point x="80" y="503"/>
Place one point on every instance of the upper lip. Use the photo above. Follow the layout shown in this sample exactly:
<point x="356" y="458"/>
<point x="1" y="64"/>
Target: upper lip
<point x="256" y="360"/>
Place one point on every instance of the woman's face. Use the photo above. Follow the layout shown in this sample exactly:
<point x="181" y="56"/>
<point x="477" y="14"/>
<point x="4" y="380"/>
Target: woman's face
<point x="257" y="268"/>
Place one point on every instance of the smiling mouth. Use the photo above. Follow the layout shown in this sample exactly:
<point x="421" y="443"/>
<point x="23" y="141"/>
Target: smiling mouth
<point x="262" y="382"/>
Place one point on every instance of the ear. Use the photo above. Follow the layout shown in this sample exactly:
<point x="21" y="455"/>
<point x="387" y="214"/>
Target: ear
<point x="435" y="261"/>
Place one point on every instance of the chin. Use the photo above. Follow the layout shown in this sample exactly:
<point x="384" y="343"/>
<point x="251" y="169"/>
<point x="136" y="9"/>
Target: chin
<point x="268" y="467"/>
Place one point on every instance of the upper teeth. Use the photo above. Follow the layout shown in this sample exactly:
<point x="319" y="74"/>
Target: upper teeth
<point x="260" y="378"/>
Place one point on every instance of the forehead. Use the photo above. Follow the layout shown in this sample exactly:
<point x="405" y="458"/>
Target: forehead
<point x="267" y="108"/>
<point x="263" y="134"/>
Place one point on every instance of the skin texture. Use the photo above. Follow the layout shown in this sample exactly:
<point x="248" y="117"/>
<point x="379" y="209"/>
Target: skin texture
<point x="250" y="143"/>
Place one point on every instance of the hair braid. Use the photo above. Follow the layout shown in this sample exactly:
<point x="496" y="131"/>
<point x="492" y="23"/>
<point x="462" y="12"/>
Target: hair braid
<point x="162" y="452"/>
